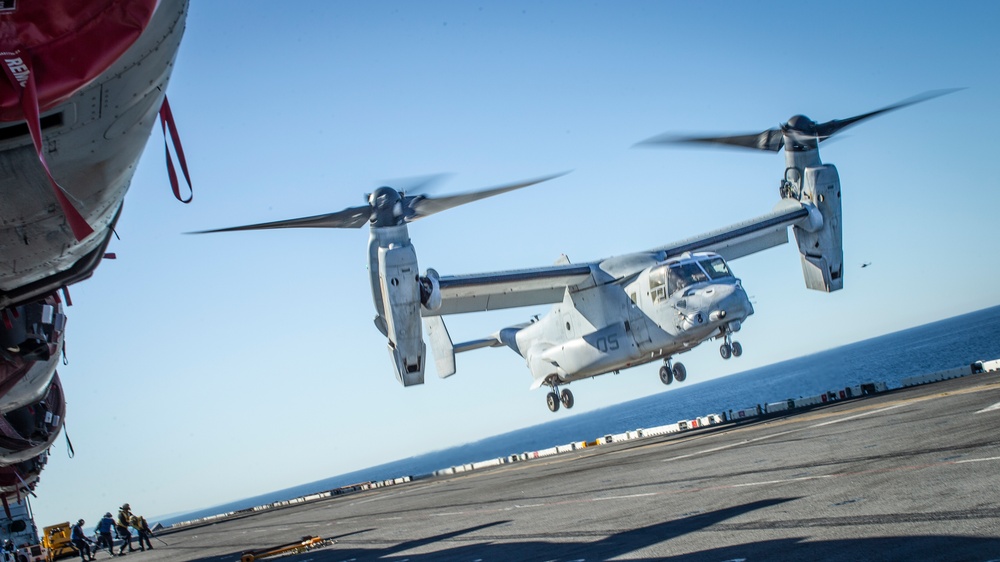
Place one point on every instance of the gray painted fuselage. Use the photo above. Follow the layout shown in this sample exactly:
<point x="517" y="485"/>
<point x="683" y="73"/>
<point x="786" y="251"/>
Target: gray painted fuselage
<point x="614" y="326"/>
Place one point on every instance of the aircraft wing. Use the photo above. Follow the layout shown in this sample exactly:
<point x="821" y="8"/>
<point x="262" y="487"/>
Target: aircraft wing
<point x="547" y="285"/>
<point x="744" y="238"/>
<point x="508" y="289"/>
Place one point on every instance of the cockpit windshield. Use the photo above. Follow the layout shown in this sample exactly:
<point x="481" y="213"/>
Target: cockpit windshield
<point x="681" y="275"/>
<point x="667" y="279"/>
<point x="715" y="267"/>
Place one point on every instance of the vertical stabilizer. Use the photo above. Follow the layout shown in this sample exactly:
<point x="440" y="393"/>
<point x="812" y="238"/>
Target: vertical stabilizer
<point x="441" y="345"/>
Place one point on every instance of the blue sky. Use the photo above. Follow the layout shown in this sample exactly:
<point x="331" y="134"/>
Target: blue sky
<point x="205" y="369"/>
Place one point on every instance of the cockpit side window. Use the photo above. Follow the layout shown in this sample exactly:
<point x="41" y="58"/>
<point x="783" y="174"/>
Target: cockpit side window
<point x="657" y="284"/>
<point x="716" y="268"/>
<point x="681" y="275"/>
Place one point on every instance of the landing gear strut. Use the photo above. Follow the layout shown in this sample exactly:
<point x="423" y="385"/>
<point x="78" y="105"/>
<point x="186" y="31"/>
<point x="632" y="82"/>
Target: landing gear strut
<point x="670" y="373"/>
<point x="730" y="348"/>
<point x="554" y="398"/>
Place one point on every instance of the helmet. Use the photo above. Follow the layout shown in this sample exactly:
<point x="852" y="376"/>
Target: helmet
<point x="108" y="514"/>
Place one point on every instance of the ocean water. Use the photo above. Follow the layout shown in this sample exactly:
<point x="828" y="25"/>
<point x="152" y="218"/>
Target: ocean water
<point x="890" y="358"/>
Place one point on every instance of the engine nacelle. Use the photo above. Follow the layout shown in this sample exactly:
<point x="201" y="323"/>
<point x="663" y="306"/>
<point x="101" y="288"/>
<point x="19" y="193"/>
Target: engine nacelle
<point x="821" y="242"/>
<point x="399" y="282"/>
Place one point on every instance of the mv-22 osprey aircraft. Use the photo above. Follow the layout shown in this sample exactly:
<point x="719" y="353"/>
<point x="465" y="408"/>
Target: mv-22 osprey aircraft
<point x="609" y="314"/>
<point x="81" y="86"/>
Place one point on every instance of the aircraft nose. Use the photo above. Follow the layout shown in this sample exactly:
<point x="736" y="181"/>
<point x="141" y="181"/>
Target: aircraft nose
<point x="732" y="303"/>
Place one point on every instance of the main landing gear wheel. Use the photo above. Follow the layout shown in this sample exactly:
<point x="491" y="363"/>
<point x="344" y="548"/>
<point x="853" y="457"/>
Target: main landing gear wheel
<point x="726" y="351"/>
<point x="554" y="397"/>
<point x="553" y="401"/>
<point x="671" y="372"/>
<point x="737" y="349"/>
<point x="567" y="398"/>
<point x="666" y="375"/>
<point x="680" y="373"/>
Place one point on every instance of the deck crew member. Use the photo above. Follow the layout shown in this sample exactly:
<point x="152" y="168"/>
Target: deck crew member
<point x="104" y="527"/>
<point x="79" y="540"/>
<point x="138" y="523"/>
<point x="124" y="516"/>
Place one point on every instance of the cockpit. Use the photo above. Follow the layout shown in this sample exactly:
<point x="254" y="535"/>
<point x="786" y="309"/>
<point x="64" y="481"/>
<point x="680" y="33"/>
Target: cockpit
<point x="675" y="275"/>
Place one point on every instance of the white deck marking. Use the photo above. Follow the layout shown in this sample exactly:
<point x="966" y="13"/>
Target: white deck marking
<point x="977" y="460"/>
<point x="990" y="409"/>
<point x="624" y="497"/>
<point x="783" y="481"/>
<point x="731" y="445"/>
<point x="861" y="415"/>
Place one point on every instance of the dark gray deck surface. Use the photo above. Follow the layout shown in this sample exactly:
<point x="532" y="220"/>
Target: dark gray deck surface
<point x="911" y="474"/>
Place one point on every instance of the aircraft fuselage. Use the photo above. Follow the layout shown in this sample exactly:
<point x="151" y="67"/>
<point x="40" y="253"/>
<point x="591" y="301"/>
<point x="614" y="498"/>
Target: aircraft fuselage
<point x="92" y="143"/>
<point x="667" y="309"/>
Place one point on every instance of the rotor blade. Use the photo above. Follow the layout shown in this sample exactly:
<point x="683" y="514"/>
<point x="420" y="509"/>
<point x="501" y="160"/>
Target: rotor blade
<point x="830" y="128"/>
<point x="420" y="206"/>
<point x="770" y="139"/>
<point x="353" y="217"/>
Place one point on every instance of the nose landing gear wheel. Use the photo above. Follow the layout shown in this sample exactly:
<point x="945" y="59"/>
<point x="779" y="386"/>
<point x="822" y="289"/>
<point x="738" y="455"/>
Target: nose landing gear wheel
<point x="567" y="398"/>
<point x="552" y="399"/>
<point x="726" y="351"/>
<point x="737" y="349"/>
<point x="680" y="373"/>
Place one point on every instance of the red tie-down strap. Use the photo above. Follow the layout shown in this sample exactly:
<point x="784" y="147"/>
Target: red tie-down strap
<point x="17" y="68"/>
<point x="167" y="120"/>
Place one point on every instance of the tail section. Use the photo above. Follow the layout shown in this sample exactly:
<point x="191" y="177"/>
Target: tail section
<point x="444" y="348"/>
